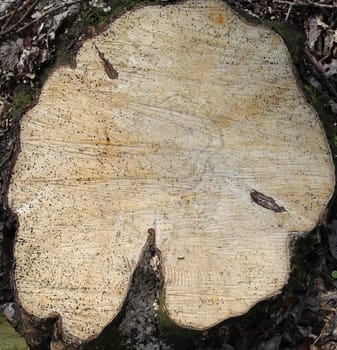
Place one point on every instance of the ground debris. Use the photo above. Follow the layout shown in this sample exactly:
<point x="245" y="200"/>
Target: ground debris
<point x="332" y="238"/>
<point x="27" y="33"/>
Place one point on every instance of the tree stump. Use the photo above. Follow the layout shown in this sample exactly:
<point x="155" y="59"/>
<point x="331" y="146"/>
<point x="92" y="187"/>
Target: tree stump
<point x="182" y="124"/>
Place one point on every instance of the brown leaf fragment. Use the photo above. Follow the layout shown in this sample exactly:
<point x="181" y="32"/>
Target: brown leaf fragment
<point x="265" y="201"/>
<point x="109" y="69"/>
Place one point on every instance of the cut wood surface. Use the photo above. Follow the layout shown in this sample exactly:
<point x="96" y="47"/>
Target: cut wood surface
<point x="182" y="119"/>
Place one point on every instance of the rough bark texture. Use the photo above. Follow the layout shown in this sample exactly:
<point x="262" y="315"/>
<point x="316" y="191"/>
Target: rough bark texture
<point x="182" y="121"/>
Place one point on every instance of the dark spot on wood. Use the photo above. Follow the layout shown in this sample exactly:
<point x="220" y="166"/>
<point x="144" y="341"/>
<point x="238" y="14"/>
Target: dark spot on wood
<point x="152" y="236"/>
<point x="265" y="201"/>
<point x="151" y="241"/>
<point x="109" y="69"/>
<point x="151" y="231"/>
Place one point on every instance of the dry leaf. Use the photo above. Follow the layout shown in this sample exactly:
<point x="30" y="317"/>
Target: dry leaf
<point x="5" y="5"/>
<point x="9" y="54"/>
<point x="314" y="30"/>
<point x="329" y="42"/>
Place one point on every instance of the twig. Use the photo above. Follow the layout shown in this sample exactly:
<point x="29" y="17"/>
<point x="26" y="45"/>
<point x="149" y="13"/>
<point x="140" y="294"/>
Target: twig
<point x="47" y="13"/>
<point x="323" y="331"/>
<point x="318" y="68"/>
<point x="12" y="28"/>
<point x="28" y="11"/>
<point x="288" y="13"/>
<point x="6" y="158"/>
<point x="308" y="4"/>
<point x="9" y="13"/>
<point x="12" y="15"/>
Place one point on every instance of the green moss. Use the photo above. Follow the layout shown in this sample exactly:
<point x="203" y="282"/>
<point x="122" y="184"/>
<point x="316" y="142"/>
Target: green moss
<point x="334" y="142"/>
<point x="9" y="338"/>
<point x="164" y="323"/>
<point x="23" y="97"/>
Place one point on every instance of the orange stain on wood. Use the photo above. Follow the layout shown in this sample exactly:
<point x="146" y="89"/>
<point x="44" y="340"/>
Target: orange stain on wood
<point x="217" y="18"/>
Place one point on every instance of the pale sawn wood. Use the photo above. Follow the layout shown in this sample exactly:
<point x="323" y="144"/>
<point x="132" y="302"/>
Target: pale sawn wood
<point x="204" y="111"/>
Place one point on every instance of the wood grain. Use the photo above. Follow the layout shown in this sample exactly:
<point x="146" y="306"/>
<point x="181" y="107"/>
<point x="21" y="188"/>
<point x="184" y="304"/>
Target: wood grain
<point x="205" y="110"/>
